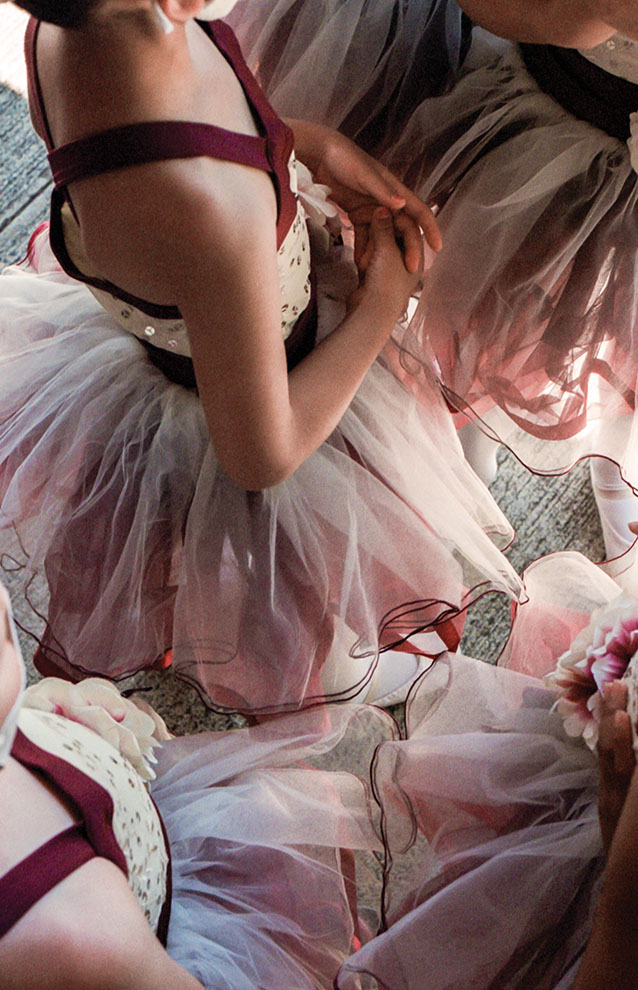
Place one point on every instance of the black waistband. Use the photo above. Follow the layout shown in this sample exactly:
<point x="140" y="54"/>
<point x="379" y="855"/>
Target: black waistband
<point x="179" y="368"/>
<point x="582" y="88"/>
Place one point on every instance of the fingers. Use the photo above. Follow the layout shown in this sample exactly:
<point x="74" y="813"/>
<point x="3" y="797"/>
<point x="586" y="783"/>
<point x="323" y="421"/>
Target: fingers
<point x="406" y="231"/>
<point x="362" y="245"/>
<point x="382" y="227"/>
<point x="410" y="235"/>
<point x="423" y="215"/>
<point x="615" y="748"/>
<point x="391" y="193"/>
<point x="418" y="210"/>
<point x="616" y="758"/>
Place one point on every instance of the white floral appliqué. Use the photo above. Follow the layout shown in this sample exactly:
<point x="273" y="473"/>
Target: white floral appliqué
<point x="313" y="196"/>
<point x="98" y="705"/>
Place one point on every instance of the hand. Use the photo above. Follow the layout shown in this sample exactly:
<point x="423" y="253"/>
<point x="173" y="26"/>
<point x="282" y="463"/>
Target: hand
<point x="616" y="759"/>
<point x="359" y="184"/>
<point x="387" y="283"/>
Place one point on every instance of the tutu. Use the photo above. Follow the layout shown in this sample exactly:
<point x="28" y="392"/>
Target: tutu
<point x="267" y="835"/>
<point x="109" y="476"/>
<point x="263" y="827"/>
<point x="494" y="853"/>
<point x="374" y="60"/>
<point x="533" y="338"/>
<point x="264" y="600"/>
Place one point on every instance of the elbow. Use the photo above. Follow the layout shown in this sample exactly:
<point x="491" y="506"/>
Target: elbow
<point x="256" y="474"/>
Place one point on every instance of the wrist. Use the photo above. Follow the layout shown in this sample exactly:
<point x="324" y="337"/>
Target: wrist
<point x="376" y="309"/>
<point x="309" y="142"/>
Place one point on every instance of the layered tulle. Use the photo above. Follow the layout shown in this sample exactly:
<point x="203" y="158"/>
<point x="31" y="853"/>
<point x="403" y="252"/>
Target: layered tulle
<point x="528" y="314"/>
<point x="264" y="826"/>
<point x="370" y="61"/>
<point x="489" y="811"/>
<point x="268" y="600"/>
<point x="535" y="334"/>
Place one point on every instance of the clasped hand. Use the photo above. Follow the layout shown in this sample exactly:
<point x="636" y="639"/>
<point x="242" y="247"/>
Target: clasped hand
<point x="360" y="185"/>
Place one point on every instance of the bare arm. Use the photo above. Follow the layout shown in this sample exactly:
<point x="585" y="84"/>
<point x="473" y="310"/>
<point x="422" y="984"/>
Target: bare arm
<point x="214" y="255"/>
<point x="611" y="957"/>
<point x="88" y="933"/>
<point x="568" y="23"/>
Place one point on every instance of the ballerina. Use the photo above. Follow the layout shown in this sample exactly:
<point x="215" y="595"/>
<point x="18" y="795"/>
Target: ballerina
<point x="195" y="439"/>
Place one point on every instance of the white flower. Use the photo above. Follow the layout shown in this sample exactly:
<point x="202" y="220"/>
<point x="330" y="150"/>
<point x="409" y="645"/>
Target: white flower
<point x="314" y="197"/>
<point x="600" y="653"/>
<point x="98" y="704"/>
<point x="632" y="140"/>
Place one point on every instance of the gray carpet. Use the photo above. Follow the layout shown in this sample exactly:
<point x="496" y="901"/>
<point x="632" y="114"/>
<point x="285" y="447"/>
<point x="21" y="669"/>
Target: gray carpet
<point x="548" y="514"/>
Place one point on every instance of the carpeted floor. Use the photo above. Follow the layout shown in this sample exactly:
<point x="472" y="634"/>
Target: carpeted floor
<point x="548" y="514"/>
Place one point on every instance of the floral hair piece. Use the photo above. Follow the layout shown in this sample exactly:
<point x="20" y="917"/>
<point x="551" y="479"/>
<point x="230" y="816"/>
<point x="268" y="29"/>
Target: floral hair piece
<point x="605" y="651"/>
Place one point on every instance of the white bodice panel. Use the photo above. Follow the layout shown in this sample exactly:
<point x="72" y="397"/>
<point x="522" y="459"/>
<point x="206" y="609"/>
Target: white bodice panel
<point x="136" y="824"/>
<point x="617" y="55"/>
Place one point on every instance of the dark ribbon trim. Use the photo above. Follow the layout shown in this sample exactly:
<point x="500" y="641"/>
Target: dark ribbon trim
<point x="582" y="88"/>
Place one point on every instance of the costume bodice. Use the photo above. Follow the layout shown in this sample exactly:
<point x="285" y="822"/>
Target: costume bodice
<point x="618" y="56"/>
<point x="117" y="818"/>
<point x="120" y="147"/>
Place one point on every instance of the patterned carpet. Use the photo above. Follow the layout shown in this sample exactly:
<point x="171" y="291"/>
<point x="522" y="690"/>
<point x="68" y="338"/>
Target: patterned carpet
<point x="548" y="514"/>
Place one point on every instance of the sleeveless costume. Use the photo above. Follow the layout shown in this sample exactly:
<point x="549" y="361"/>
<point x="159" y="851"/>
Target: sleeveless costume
<point x="259" y="888"/>
<point x="109" y="477"/>
<point x="526" y="152"/>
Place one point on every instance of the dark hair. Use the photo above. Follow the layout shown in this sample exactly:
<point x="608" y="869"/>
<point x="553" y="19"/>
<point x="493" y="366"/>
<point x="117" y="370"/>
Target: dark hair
<point x="64" y="13"/>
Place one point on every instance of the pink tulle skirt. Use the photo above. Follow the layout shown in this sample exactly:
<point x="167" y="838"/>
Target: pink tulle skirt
<point x="494" y="856"/>
<point x="272" y="832"/>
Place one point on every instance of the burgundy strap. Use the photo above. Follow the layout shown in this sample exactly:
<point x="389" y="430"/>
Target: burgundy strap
<point x="151" y="141"/>
<point x="27" y="882"/>
<point x="92" y="802"/>
<point x="148" y="141"/>
<point x="36" y="103"/>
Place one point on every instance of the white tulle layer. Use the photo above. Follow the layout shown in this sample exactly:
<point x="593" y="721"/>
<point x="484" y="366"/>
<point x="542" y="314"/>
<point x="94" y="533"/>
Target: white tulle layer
<point x="489" y="810"/>
<point x="497" y="809"/>
<point x="535" y="335"/>
<point x="370" y="61"/>
<point x="528" y="314"/>
<point x="107" y="471"/>
<point x="263" y="824"/>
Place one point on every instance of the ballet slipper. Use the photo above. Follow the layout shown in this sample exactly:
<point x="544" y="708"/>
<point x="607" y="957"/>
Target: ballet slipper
<point x="480" y="452"/>
<point x="394" y="675"/>
<point x="617" y="507"/>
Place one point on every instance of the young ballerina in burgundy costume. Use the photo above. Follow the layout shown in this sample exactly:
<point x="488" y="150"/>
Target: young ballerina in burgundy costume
<point x="489" y="814"/>
<point x="529" y="314"/>
<point x="240" y="861"/>
<point x="201" y="432"/>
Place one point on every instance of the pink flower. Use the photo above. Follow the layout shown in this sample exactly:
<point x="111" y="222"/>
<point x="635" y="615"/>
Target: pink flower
<point x="600" y="653"/>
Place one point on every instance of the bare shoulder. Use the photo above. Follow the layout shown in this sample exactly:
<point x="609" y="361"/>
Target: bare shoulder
<point x="141" y="224"/>
<point x="73" y="938"/>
